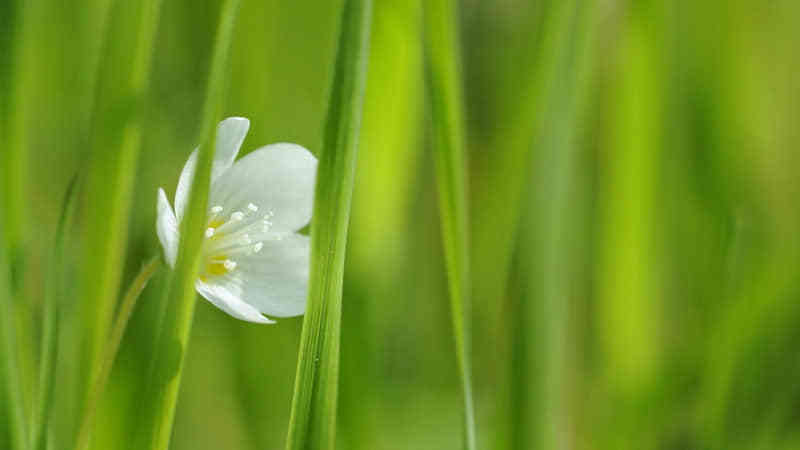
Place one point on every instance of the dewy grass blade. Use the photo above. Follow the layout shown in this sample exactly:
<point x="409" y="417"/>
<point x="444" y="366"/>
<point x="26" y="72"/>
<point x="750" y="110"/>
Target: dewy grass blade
<point x="312" y="423"/>
<point x="174" y="333"/>
<point x="447" y="106"/>
<point x="49" y="350"/>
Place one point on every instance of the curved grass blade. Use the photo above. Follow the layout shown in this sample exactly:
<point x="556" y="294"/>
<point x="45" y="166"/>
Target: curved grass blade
<point x="312" y="423"/>
<point x="109" y="355"/>
<point x="444" y="77"/>
<point x="49" y="349"/>
<point x="173" y="340"/>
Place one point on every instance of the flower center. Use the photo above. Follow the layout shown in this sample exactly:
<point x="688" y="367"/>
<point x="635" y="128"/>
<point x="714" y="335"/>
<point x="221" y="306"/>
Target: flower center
<point x="231" y="236"/>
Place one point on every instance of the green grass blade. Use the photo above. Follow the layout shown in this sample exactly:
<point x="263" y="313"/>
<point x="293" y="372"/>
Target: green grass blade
<point x="174" y="333"/>
<point x="115" y="146"/>
<point x="312" y="422"/>
<point x="444" y="76"/>
<point x="110" y="352"/>
<point x="551" y="236"/>
<point x="382" y="199"/>
<point x="630" y="259"/>
<point x="49" y="346"/>
<point x="13" y="179"/>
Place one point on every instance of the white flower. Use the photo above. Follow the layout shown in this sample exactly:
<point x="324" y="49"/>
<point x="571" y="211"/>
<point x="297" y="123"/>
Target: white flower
<point x="252" y="259"/>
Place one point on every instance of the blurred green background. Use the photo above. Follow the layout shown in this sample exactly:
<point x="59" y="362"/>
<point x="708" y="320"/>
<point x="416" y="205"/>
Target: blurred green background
<point x="635" y="235"/>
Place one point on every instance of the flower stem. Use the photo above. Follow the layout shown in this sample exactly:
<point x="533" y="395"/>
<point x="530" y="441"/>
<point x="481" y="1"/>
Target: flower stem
<point x="110" y="353"/>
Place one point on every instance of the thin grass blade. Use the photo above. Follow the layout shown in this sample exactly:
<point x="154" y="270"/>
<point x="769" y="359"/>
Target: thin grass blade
<point x="115" y="146"/>
<point x="312" y="422"/>
<point x="13" y="171"/>
<point x="157" y="423"/>
<point x="49" y="346"/>
<point x="551" y="237"/>
<point x="443" y="61"/>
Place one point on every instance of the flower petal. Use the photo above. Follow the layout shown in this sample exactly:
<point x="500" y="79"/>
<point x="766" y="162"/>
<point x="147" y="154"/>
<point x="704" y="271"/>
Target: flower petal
<point x="277" y="179"/>
<point x="167" y="228"/>
<point x="230" y="135"/>
<point x="275" y="279"/>
<point x="225" y="297"/>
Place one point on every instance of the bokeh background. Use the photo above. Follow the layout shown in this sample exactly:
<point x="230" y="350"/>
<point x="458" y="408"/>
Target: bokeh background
<point x="635" y="230"/>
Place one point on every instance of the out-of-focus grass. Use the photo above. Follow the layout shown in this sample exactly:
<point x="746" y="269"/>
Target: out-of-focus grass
<point x="114" y="144"/>
<point x="444" y="77"/>
<point x="712" y="305"/>
<point x="383" y="200"/>
<point x="551" y="235"/>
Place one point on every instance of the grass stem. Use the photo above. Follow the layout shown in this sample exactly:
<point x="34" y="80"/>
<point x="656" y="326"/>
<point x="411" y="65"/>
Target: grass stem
<point x="173" y="336"/>
<point x="312" y="424"/>
<point x="442" y="53"/>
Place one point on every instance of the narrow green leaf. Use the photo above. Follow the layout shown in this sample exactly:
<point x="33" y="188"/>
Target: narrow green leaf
<point x="115" y="145"/>
<point x="110" y="352"/>
<point x="312" y="423"/>
<point x="551" y="235"/>
<point x="630" y="258"/>
<point x="382" y="199"/>
<point x="49" y="346"/>
<point x="176" y="326"/>
<point x="13" y="171"/>
<point x="442" y="55"/>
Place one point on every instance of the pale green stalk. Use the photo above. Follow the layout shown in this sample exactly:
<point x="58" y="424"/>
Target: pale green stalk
<point x="550" y="235"/>
<point x="15" y="148"/>
<point x="312" y="424"/>
<point x="629" y="261"/>
<point x="176" y="326"/>
<point x="627" y="288"/>
<point x="443" y="60"/>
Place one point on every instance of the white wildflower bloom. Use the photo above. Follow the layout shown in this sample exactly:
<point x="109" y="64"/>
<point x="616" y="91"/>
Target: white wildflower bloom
<point x="253" y="260"/>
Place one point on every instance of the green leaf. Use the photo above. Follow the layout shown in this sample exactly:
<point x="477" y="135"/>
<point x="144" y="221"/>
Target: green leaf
<point x="551" y="233"/>
<point x="13" y="180"/>
<point x="444" y="77"/>
<point x="115" y="144"/>
<point x="313" y="418"/>
<point x="173" y="340"/>
<point x="49" y="346"/>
